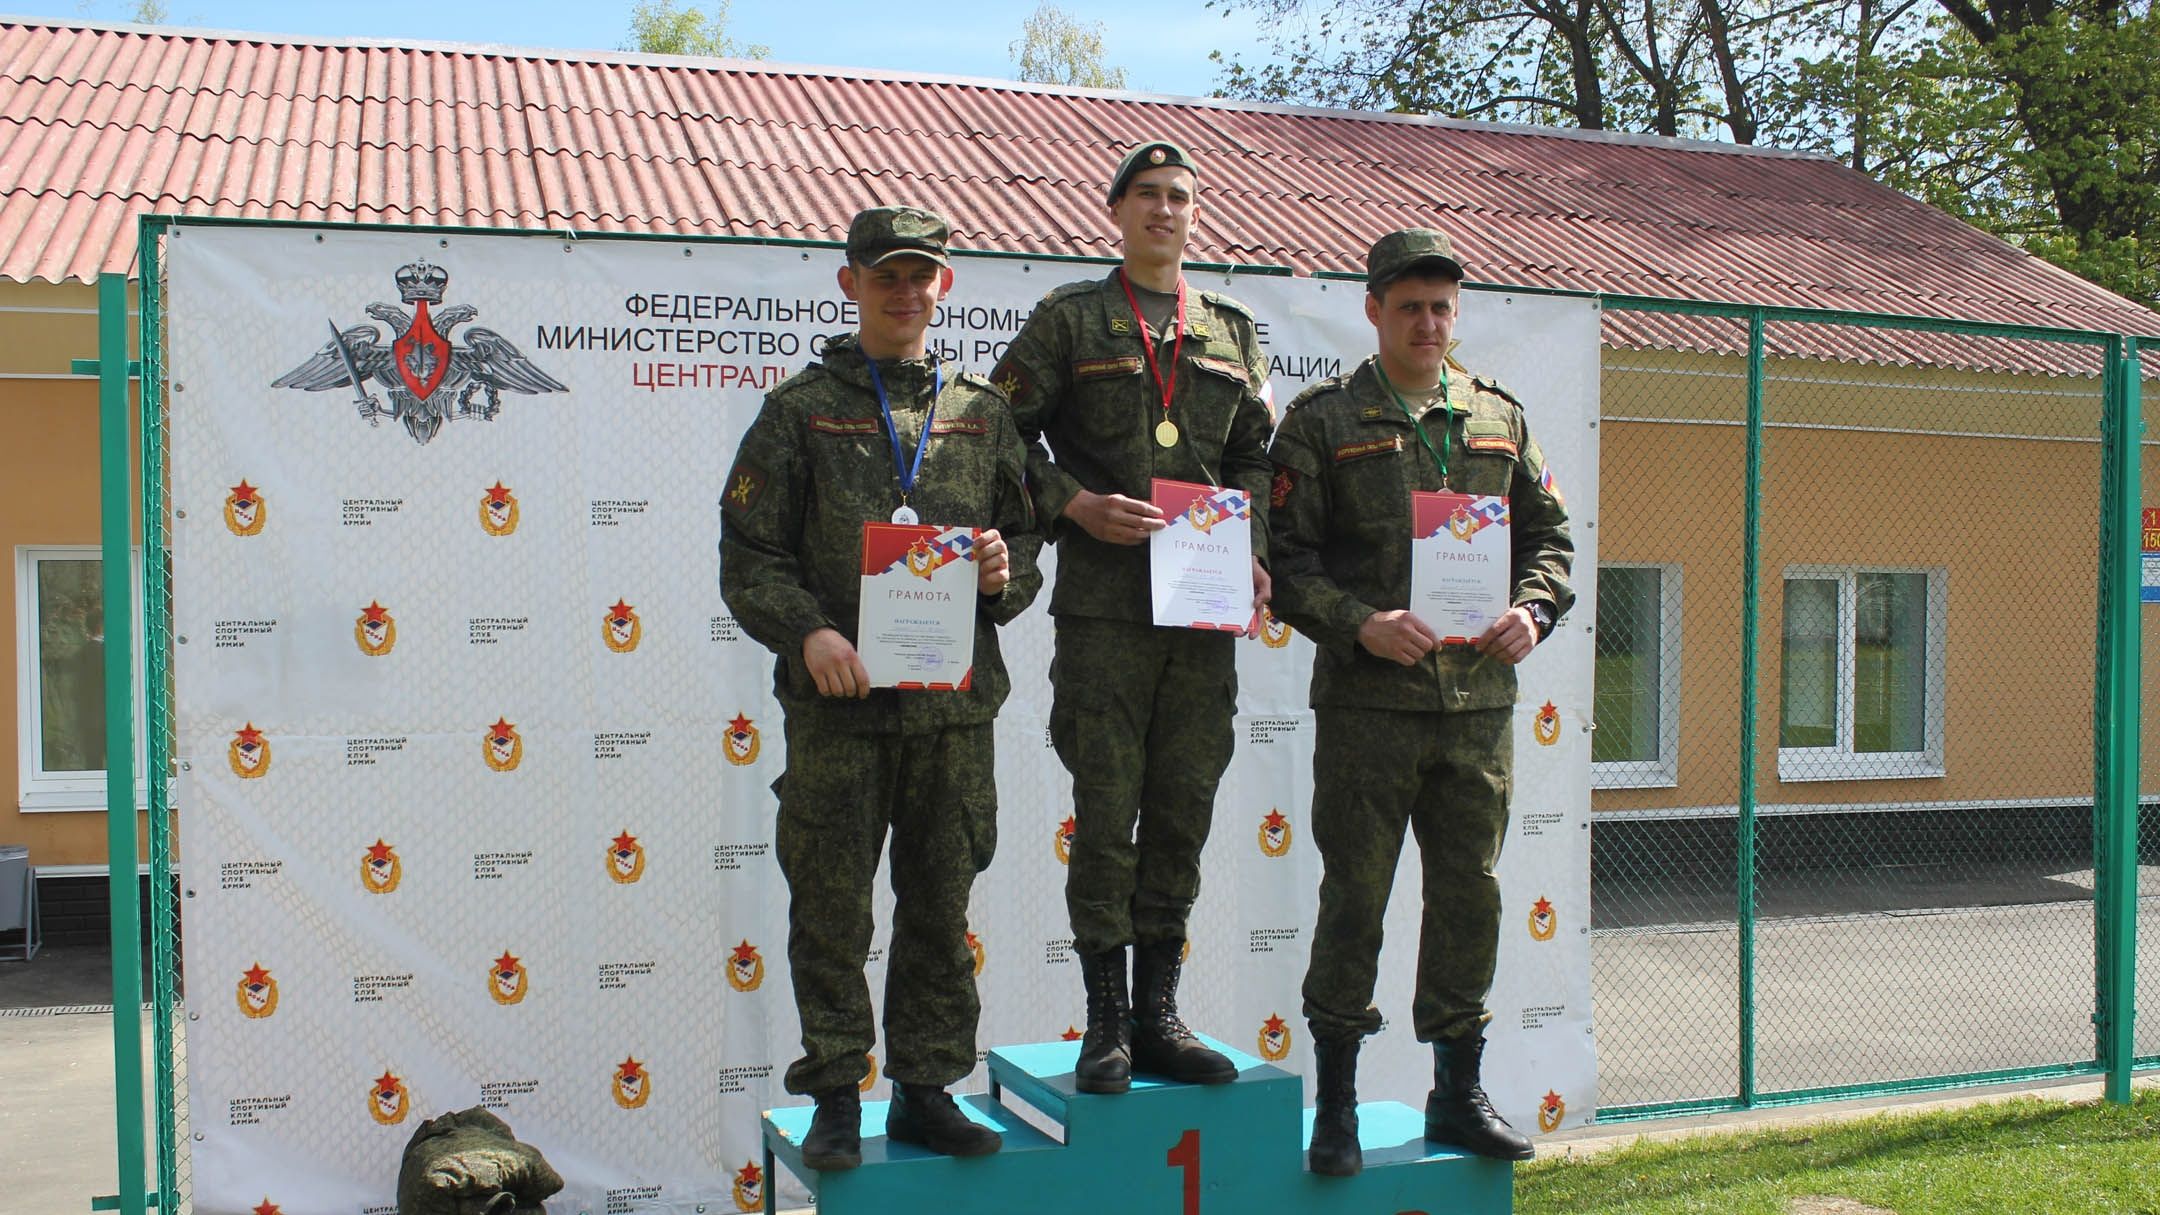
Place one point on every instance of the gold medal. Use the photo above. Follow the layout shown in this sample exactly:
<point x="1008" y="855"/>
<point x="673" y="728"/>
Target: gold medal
<point x="1166" y="433"/>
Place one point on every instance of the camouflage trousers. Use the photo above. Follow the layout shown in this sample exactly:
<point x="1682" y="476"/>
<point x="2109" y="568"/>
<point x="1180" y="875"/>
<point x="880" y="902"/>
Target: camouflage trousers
<point x="841" y="795"/>
<point x="1141" y="717"/>
<point x="1448" y="776"/>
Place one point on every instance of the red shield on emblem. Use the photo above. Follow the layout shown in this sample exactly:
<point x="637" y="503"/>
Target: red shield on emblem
<point x="423" y="355"/>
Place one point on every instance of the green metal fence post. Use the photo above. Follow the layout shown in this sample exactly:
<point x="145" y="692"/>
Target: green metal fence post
<point x="2116" y="860"/>
<point x="157" y="726"/>
<point x="115" y="515"/>
<point x="1750" y="683"/>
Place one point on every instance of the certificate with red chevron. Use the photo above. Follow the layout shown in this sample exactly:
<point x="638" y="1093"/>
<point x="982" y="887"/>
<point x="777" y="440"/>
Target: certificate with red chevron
<point x="1200" y="564"/>
<point x="916" y="621"/>
<point x="1460" y="558"/>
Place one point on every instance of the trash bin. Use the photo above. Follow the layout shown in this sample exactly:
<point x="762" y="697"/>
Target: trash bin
<point x="18" y="900"/>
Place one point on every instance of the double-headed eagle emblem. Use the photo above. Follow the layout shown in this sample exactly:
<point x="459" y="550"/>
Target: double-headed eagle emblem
<point x="429" y="378"/>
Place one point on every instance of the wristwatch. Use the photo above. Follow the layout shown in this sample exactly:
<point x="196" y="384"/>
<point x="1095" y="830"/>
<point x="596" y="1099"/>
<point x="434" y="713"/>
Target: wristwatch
<point x="1541" y="616"/>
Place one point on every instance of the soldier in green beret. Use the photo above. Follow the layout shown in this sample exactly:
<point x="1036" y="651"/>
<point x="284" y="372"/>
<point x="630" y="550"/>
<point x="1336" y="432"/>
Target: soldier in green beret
<point x="1411" y="731"/>
<point x="824" y="456"/>
<point x="1116" y="381"/>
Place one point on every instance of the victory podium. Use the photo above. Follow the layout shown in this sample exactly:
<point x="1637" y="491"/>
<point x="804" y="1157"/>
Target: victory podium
<point x="1161" y="1149"/>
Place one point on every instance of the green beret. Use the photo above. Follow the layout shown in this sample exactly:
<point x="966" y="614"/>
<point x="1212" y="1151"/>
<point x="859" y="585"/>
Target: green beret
<point x="1154" y="154"/>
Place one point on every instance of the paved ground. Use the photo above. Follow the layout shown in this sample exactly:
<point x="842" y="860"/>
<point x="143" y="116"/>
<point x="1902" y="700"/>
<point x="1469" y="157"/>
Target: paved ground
<point x="1843" y="999"/>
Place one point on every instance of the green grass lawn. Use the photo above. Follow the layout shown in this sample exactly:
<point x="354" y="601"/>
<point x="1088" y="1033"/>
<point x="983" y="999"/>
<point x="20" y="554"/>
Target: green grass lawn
<point x="2020" y="1157"/>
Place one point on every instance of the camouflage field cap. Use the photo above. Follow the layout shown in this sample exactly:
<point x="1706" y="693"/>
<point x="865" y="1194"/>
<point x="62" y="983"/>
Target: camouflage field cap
<point x="882" y="233"/>
<point x="1152" y="155"/>
<point x="1394" y="254"/>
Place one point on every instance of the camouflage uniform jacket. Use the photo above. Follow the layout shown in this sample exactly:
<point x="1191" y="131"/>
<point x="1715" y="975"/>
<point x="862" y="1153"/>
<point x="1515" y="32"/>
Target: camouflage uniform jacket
<point x="1079" y="380"/>
<point x="1346" y="461"/>
<point x="816" y="465"/>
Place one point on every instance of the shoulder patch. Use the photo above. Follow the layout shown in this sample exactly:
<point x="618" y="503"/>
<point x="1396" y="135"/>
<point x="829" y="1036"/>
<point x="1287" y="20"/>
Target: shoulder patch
<point x="745" y="485"/>
<point x="1333" y="383"/>
<point x="1495" y="387"/>
<point x="802" y="379"/>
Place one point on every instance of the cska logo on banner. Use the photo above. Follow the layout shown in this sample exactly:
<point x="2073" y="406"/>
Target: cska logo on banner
<point x="976" y="951"/>
<point x="750" y="1187"/>
<point x="503" y="748"/>
<point x="1274" y="634"/>
<point x="1071" y="1034"/>
<point x="388" y="1102"/>
<point x="625" y="858"/>
<point x="1547" y="725"/>
<point x="248" y="752"/>
<point x="1274" y="1039"/>
<point x="741" y="741"/>
<point x="375" y="630"/>
<point x="1274" y="834"/>
<point x="506" y="980"/>
<point x="633" y="1084"/>
<point x="745" y="969"/>
<point x="245" y="513"/>
<point x="498" y="510"/>
<point x="1543" y="923"/>
<point x="1062" y="841"/>
<point x="380" y="869"/>
<point x="256" y="993"/>
<point x="869" y="1079"/>
<point x="621" y="628"/>
<point x="1550" y="1111"/>
<point x="267" y="1208"/>
<point x="421" y="361"/>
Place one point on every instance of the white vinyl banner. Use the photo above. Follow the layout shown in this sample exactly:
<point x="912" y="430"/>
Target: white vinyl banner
<point x="475" y="797"/>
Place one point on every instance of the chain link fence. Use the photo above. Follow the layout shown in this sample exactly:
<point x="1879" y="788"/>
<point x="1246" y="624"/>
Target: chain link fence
<point x="1877" y="871"/>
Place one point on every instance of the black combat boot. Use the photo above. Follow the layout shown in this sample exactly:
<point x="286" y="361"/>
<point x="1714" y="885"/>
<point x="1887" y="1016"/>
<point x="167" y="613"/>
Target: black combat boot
<point x="1459" y="1113"/>
<point x="926" y="1116"/>
<point x="1106" y="1049"/>
<point x="1335" y="1151"/>
<point x="1161" y="1043"/>
<point x="834" y="1143"/>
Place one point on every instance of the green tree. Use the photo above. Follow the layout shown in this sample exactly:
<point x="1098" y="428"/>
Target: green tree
<point x="657" y="27"/>
<point x="1055" y="49"/>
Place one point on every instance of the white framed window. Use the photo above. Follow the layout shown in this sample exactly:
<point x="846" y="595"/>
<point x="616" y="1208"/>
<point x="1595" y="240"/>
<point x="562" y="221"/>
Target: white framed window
<point x="1860" y="678"/>
<point x="1636" y="699"/>
<point x="60" y="680"/>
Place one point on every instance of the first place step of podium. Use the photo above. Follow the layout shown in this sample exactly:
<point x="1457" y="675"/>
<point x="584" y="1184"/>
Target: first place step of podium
<point x="1161" y="1149"/>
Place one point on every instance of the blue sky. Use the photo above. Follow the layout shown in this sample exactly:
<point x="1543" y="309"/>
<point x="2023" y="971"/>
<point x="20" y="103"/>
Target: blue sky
<point x="1163" y="44"/>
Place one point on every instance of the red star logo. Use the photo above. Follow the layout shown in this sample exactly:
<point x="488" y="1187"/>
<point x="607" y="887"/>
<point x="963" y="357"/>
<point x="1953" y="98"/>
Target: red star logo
<point x="507" y="964"/>
<point x="257" y="976"/>
<point x="629" y="1068"/>
<point x="1068" y="826"/>
<point x="1543" y="906"/>
<point x="244" y="493"/>
<point x="1274" y="1024"/>
<point x="249" y="736"/>
<point x="1548" y="710"/>
<point x="751" y="1174"/>
<point x="267" y="1208"/>
<point x="745" y="952"/>
<point x="374" y="613"/>
<point x="1275" y="819"/>
<point x="378" y="851"/>
<point x="501" y="730"/>
<point x="974" y="942"/>
<point x="739" y="725"/>
<point x="621" y="611"/>
<point x="388" y="1085"/>
<point x="498" y="494"/>
<point x="1070" y="1035"/>
<point x="626" y="842"/>
<point x="1552" y="1100"/>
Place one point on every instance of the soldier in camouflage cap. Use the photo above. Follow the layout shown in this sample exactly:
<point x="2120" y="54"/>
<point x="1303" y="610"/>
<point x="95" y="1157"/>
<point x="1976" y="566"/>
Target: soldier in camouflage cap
<point x="1116" y="381"/>
<point x="1410" y="731"/>
<point x="815" y="465"/>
